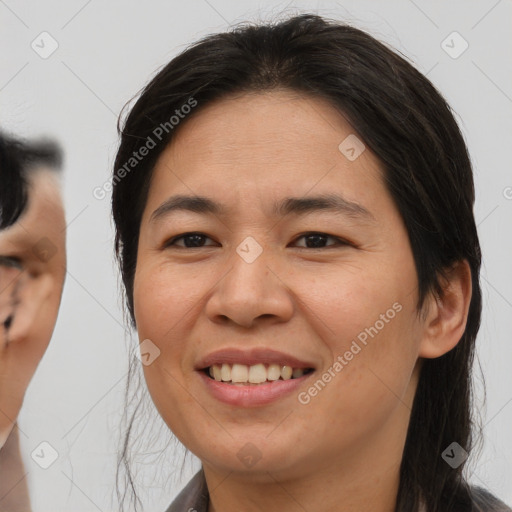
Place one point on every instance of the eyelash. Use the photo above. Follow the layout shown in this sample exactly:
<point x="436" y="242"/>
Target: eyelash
<point x="340" y="242"/>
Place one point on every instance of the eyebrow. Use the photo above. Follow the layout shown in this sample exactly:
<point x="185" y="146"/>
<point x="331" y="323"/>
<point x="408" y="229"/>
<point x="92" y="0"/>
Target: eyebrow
<point x="290" y="205"/>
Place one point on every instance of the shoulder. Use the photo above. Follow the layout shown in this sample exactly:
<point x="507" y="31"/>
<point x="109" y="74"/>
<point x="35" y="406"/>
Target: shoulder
<point x="484" y="501"/>
<point x="194" y="496"/>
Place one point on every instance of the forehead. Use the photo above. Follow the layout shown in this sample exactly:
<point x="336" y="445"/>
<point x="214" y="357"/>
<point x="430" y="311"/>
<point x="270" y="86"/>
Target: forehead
<point x="252" y="145"/>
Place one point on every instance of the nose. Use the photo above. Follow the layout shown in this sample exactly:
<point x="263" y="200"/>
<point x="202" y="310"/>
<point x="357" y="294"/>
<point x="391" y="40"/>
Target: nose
<point x="249" y="293"/>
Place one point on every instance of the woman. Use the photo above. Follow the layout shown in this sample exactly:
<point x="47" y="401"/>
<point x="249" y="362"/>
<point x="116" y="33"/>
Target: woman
<point x="294" y="227"/>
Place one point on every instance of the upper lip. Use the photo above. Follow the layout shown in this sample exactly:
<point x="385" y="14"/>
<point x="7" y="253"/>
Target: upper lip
<point x="251" y="357"/>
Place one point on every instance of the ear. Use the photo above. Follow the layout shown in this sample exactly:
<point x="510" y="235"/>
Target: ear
<point x="446" y="315"/>
<point x="28" y="296"/>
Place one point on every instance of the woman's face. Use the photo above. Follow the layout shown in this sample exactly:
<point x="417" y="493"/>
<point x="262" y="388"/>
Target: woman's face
<point x="272" y="279"/>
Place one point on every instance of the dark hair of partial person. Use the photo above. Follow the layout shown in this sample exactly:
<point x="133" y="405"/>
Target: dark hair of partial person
<point x="411" y="129"/>
<point x="17" y="159"/>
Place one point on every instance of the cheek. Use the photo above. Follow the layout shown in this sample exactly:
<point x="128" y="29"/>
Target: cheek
<point x="165" y="306"/>
<point x="367" y="388"/>
<point x="355" y="303"/>
<point x="368" y="322"/>
<point x="161" y="300"/>
<point x="159" y="306"/>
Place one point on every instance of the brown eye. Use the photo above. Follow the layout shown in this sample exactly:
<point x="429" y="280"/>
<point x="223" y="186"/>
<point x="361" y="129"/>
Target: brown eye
<point x="190" y="240"/>
<point x="318" y="240"/>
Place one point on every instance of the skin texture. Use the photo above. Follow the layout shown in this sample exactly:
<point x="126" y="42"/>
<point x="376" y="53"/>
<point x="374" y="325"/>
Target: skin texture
<point x="30" y="291"/>
<point x="343" y="449"/>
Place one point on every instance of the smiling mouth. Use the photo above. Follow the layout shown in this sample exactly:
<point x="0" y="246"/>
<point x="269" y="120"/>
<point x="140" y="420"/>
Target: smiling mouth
<point x="241" y="374"/>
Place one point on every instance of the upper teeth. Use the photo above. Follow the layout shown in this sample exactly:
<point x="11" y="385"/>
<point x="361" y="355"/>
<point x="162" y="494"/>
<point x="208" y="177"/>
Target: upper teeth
<point x="254" y="374"/>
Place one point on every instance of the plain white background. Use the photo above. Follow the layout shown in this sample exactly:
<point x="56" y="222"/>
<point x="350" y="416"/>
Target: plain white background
<point x="107" y="50"/>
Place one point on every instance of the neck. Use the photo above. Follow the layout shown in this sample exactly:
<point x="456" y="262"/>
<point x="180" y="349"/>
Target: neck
<point x="329" y="492"/>
<point x="364" y="480"/>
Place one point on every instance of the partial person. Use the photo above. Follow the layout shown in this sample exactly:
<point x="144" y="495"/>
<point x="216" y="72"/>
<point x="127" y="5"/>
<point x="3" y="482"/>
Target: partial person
<point x="32" y="273"/>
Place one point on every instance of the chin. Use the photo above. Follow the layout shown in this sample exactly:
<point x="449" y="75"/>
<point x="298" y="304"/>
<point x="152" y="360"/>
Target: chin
<point x="249" y="458"/>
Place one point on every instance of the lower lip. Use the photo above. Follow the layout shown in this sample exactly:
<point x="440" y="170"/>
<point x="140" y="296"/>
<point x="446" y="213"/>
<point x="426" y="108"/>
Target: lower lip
<point x="252" y="395"/>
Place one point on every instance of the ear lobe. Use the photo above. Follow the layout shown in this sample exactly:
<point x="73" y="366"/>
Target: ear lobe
<point x="447" y="314"/>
